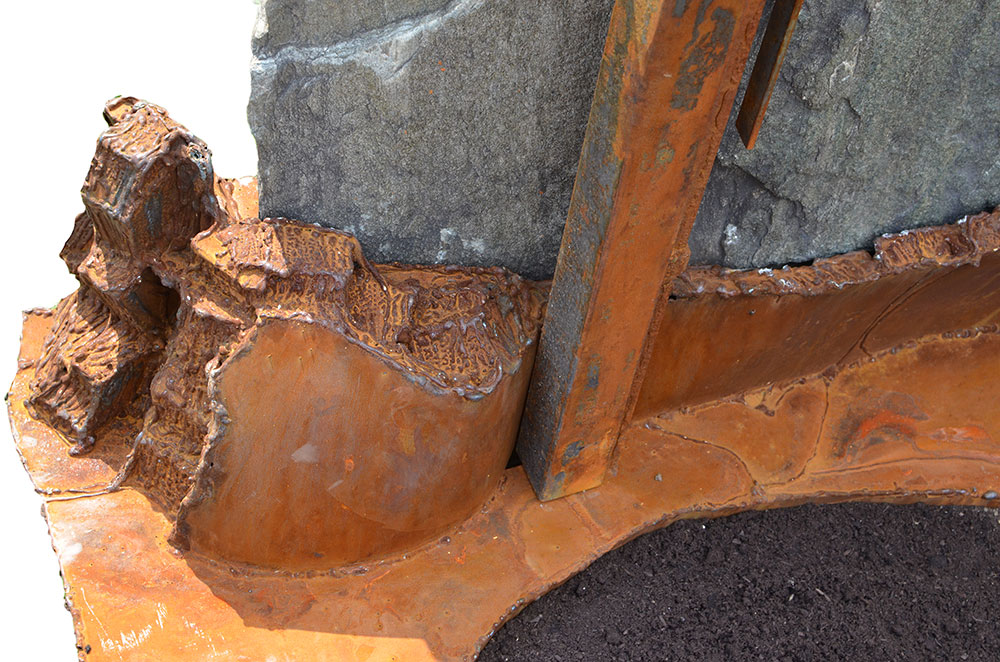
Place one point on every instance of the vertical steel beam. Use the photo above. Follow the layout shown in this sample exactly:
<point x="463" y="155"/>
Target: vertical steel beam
<point x="666" y="85"/>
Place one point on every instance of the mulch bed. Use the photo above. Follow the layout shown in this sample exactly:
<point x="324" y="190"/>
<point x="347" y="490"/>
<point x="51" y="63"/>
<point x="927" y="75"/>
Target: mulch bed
<point x="844" y="582"/>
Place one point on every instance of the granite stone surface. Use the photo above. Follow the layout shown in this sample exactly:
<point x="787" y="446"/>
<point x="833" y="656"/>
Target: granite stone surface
<point x="886" y="116"/>
<point x="435" y="131"/>
<point x="448" y="131"/>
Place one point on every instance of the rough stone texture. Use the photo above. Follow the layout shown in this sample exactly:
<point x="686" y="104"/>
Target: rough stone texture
<point x="886" y="116"/>
<point x="449" y="131"/>
<point x="436" y="131"/>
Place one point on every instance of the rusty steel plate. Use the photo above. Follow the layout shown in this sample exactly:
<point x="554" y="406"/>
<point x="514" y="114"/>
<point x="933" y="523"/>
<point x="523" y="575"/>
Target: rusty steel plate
<point x="905" y="425"/>
<point x="800" y="320"/>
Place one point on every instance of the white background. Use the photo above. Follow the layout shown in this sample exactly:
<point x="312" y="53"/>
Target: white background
<point x="62" y="61"/>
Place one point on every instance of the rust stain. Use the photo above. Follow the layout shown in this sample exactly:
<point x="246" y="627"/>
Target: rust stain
<point x="969" y="434"/>
<point x="878" y="418"/>
<point x="703" y="58"/>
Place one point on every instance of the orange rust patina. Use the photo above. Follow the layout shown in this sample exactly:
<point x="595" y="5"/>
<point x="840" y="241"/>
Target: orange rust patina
<point x="667" y="82"/>
<point x="907" y="425"/>
<point x="253" y="444"/>
<point x="770" y="55"/>
<point x="277" y="449"/>
<point x="349" y="410"/>
<point x="801" y="320"/>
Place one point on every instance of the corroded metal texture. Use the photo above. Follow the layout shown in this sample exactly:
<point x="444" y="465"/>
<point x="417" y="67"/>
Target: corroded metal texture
<point x="802" y="320"/>
<point x="666" y="85"/>
<point x="350" y="410"/>
<point x="149" y="187"/>
<point x="899" y="427"/>
<point x="780" y="26"/>
<point x="283" y="449"/>
<point x="345" y="462"/>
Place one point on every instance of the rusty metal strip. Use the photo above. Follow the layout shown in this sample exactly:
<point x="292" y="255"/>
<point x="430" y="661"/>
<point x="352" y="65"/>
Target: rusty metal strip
<point x="777" y="35"/>
<point x="666" y="85"/>
<point x="727" y="331"/>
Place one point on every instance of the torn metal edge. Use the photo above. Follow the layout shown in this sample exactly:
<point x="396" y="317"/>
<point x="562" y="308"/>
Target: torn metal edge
<point x="964" y="242"/>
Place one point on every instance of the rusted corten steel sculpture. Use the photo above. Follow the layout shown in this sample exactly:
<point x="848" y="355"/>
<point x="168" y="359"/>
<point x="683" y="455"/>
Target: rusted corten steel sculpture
<point x="257" y="351"/>
<point x="251" y="441"/>
<point x="256" y="440"/>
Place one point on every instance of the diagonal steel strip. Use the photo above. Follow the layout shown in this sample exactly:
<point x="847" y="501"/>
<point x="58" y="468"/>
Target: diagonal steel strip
<point x="665" y="88"/>
<point x="778" y="34"/>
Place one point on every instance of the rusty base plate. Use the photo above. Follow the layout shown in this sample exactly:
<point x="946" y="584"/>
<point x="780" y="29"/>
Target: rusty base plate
<point x="914" y="424"/>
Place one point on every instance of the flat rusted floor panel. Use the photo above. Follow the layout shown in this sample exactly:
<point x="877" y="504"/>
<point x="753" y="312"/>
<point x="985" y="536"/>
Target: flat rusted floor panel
<point x="913" y="425"/>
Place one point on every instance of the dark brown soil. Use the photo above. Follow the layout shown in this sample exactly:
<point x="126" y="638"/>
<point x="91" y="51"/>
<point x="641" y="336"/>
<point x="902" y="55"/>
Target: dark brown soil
<point x="847" y="582"/>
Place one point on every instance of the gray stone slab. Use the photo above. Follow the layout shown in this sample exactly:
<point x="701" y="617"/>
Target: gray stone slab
<point x="886" y="116"/>
<point x="449" y="131"/>
<point x="437" y="132"/>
